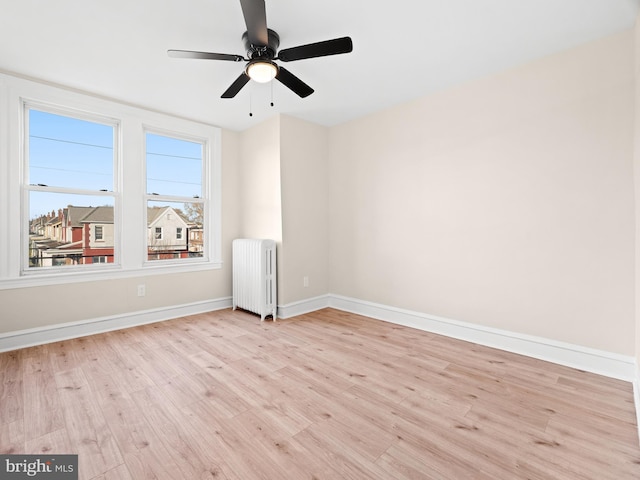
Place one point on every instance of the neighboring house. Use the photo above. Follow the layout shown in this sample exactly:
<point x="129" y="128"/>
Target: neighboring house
<point x="44" y="252"/>
<point x="58" y="253"/>
<point x="54" y="226"/>
<point x="71" y="225"/>
<point x="37" y="226"/>
<point x="98" y="235"/>
<point x="45" y="241"/>
<point x="196" y="240"/>
<point x="167" y="235"/>
<point x="85" y="235"/>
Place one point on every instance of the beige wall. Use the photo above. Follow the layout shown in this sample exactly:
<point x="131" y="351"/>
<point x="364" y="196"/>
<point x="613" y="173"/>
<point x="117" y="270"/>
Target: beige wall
<point x="260" y="214"/>
<point x="506" y="202"/>
<point x="259" y="185"/>
<point x="283" y="196"/>
<point x="305" y="210"/>
<point x="26" y="308"/>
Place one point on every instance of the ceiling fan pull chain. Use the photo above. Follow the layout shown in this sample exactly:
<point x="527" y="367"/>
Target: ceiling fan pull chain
<point x="272" y="94"/>
<point x="250" y="107"/>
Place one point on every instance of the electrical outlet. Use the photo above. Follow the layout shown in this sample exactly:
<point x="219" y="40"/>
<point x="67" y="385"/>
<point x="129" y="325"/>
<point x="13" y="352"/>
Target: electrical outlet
<point x="142" y="290"/>
<point x="305" y="281"/>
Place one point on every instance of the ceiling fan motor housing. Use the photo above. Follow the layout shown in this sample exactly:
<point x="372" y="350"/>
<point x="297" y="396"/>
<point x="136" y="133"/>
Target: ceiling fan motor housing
<point x="262" y="51"/>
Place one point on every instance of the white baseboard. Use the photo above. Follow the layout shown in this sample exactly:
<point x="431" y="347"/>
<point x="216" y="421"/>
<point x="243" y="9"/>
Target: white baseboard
<point x="583" y="358"/>
<point x="66" y="331"/>
<point x="303" y="306"/>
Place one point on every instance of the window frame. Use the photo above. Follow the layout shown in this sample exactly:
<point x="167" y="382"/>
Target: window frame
<point x="27" y="188"/>
<point x="129" y="197"/>
<point x="204" y="197"/>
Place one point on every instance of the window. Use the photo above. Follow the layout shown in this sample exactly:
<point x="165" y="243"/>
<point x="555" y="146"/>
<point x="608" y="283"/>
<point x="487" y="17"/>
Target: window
<point x="69" y="185"/>
<point x="83" y="179"/>
<point x="176" y="196"/>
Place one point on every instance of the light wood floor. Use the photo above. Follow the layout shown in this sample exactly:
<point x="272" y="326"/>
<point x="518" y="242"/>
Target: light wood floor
<point x="328" y="395"/>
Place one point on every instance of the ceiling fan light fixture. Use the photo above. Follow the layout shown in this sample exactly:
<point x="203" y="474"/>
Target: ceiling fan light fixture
<point x="262" y="71"/>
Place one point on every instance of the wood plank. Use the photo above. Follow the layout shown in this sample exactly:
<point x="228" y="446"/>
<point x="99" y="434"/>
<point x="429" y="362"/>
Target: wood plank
<point x="56" y="442"/>
<point x="90" y="436"/>
<point x="121" y="472"/>
<point x="171" y="426"/>
<point x="65" y="355"/>
<point x="12" y="438"/>
<point x="11" y="393"/>
<point x="145" y="455"/>
<point x="404" y="461"/>
<point x="44" y="404"/>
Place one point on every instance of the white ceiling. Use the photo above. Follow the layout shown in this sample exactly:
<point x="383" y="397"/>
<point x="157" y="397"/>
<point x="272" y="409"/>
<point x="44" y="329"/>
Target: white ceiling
<point x="403" y="49"/>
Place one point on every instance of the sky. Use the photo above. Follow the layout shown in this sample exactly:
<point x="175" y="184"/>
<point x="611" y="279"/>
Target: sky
<point x="73" y="153"/>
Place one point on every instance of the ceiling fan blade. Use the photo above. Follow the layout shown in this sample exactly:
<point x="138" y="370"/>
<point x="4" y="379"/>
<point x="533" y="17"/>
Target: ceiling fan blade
<point x="289" y="80"/>
<point x="319" y="49"/>
<point x="255" y="16"/>
<point x="236" y="86"/>
<point x="204" y="55"/>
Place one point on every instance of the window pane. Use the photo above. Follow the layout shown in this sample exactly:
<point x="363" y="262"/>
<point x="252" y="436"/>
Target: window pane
<point x="174" y="166"/>
<point x="174" y="230"/>
<point x="68" y="229"/>
<point x="69" y="152"/>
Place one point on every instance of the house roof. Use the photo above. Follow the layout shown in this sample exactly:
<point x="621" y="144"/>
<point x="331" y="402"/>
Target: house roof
<point x="105" y="214"/>
<point x="72" y="245"/>
<point x="155" y="213"/>
<point x="98" y="215"/>
<point x="75" y="214"/>
<point x="47" y="243"/>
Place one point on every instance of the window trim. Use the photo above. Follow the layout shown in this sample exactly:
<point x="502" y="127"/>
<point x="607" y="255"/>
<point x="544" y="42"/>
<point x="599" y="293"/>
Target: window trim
<point x="14" y="92"/>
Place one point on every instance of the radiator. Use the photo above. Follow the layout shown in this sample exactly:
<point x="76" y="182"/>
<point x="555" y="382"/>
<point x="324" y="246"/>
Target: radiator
<point x="254" y="276"/>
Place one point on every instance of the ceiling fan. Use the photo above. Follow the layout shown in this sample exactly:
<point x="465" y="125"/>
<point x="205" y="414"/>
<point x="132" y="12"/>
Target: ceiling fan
<point x="262" y="45"/>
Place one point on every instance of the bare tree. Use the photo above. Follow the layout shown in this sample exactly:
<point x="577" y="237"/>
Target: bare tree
<point x="194" y="212"/>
